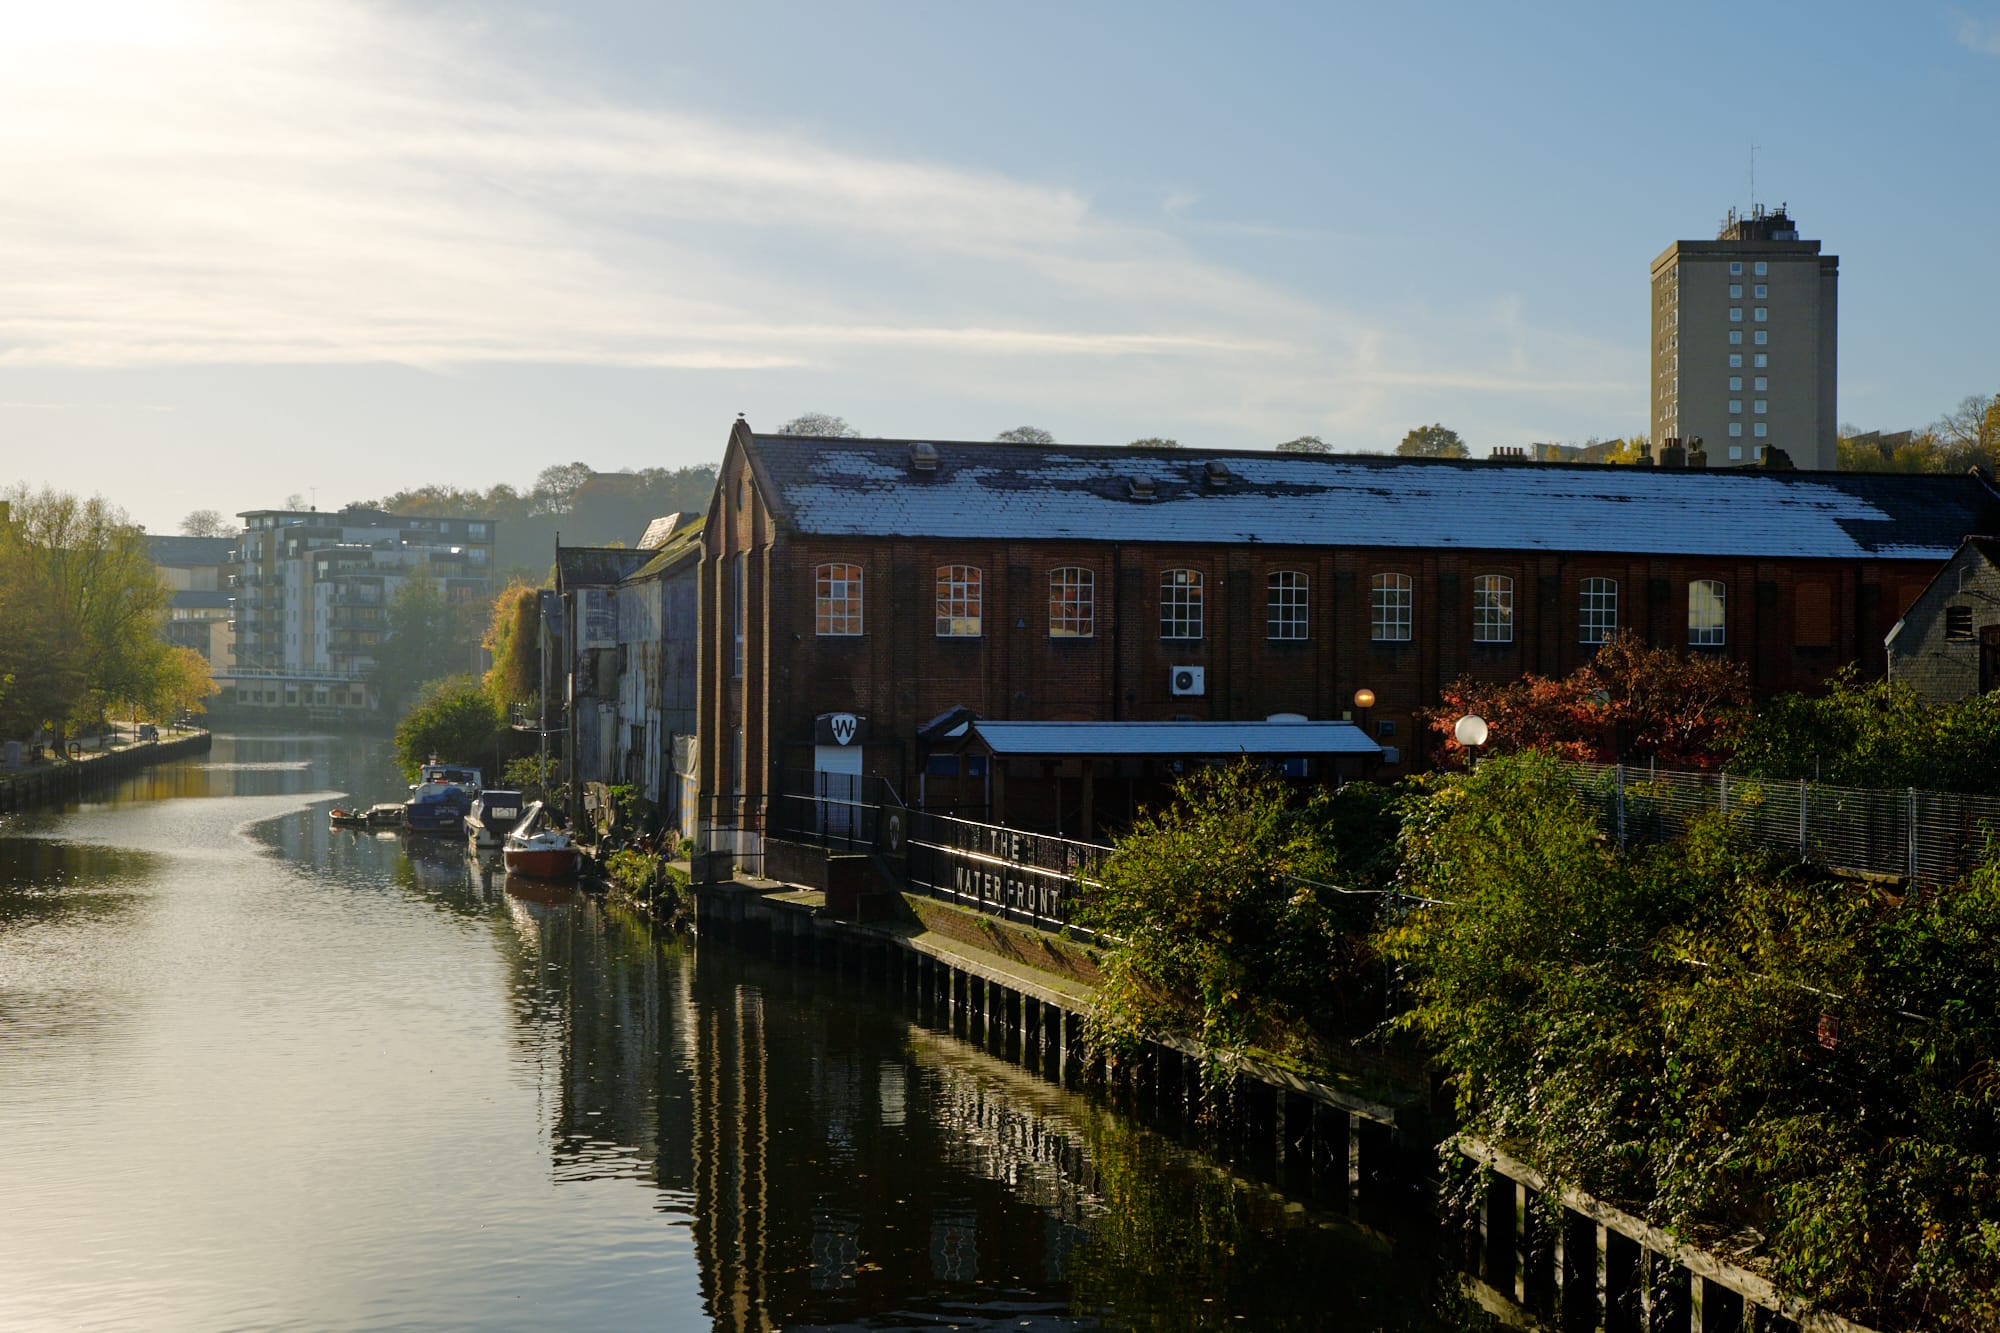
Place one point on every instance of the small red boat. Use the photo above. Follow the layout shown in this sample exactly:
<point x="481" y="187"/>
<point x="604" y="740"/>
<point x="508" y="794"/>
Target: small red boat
<point x="539" y="850"/>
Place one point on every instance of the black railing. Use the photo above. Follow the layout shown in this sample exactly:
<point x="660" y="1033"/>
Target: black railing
<point x="732" y="826"/>
<point x="1033" y="878"/>
<point x="843" y="810"/>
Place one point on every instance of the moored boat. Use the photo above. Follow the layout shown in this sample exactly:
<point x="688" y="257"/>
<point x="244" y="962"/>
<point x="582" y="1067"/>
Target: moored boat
<point x="538" y="849"/>
<point x="340" y="817"/>
<point x="493" y="816"/>
<point x="440" y="798"/>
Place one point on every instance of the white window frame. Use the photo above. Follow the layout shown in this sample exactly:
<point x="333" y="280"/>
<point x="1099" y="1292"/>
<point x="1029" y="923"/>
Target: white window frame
<point x="1492" y="609"/>
<point x="1735" y="430"/>
<point x="961" y="599"/>
<point x="1760" y="360"/>
<point x="1391" y="608"/>
<point x="1736" y="314"/>
<point x="1762" y="268"/>
<point x="1761" y="430"/>
<point x="1072" y="603"/>
<point x="1736" y="337"/>
<point x="1708" y="613"/>
<point x="1287" y="606"/>
<point x="1180" y="603"/>
<point x="1597" y="610"/>
<point x="1736" y="360"/>
<point x="838" y="593"/>
<point x="1763" y="337"/>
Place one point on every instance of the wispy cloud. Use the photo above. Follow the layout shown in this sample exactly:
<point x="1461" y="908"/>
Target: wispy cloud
<point x="1981" y="35"/>
<point x="213" y="182"/>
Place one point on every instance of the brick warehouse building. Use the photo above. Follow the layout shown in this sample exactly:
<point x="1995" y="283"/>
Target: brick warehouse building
<point x="876" y="585"/>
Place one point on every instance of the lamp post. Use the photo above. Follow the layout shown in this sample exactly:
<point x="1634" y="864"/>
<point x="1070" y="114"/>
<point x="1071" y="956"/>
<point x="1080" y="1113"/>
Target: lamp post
<point x="1364" y="699"/>
<point x="1471" y="732"/>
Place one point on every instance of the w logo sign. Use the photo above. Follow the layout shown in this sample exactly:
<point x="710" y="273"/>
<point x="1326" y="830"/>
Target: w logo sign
<point x="843" y="726"/>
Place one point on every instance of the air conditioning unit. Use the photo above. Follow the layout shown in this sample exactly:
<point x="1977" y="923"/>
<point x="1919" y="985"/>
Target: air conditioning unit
<point x="1187" y="680"/>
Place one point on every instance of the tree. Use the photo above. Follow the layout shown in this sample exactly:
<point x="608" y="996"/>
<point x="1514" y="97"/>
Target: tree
<point x="1226" y="919"/>
<point x="1025" y="435"/>
<point x="1305" y="444"/>
<point x="1628" y="702"/>
<point x="1154" y="442"/>
<point x="454" y="719"/>
<point x="819" y="425"/>
<point x="556" y="487"/>
<point x="429" y="637"/>
<point x="513" y="637"/>
<point x="1433" y="441"/>
<point x="206" y="523"/>
<point x="1970" y="432"/>
<point x="82" y="605"/>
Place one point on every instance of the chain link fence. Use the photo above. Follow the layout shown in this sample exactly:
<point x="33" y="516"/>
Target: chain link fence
<point x="1925" y="837"/>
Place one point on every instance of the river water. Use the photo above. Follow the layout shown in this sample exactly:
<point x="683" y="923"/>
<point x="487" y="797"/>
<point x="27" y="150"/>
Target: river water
<point x="257" y="1073"/>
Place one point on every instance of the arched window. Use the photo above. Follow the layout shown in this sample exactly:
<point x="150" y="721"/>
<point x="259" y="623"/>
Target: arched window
<point x="1072" y="603"/>
<point x="1391" y="598"/>
<point x="1180" y="604"/>
<point x="960" y="594"/>
<point x="1492" y="609"/>
<point x="1597" y="611"/>
<point x="1705" y="613"/>
<point x="837" y="599"/>
<point x="1285" y="606"/>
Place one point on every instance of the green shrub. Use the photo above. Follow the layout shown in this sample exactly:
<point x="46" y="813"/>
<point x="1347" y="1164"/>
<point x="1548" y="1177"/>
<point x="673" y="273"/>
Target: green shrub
<point x="453" y="719"/>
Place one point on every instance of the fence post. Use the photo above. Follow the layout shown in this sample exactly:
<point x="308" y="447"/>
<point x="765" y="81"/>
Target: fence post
<point x="1913" y="835"/>
<point x="1621" y="806"/>
<point x="1802" y="819"/>
<point x="1723" y="789"/>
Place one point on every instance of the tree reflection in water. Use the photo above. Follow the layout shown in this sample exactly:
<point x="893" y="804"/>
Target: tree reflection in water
<point x="838" y="1164"/>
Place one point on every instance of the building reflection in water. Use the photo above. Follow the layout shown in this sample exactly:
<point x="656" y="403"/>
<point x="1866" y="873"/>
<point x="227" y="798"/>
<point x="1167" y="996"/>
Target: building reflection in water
<point x="837" y="1162"/>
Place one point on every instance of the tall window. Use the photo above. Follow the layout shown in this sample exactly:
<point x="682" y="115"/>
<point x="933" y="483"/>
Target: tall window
<point x="1286" y="606"/>
<point x="1812" y="616"/>
<point x="1072" y="603"/>
<point x="739" y="612"/>
<point x="1597" y="612"/>
<point x="837" y="599"/>
<point x="1705" y="613"/>
<point x="1390" y="599"/>
<point x="959" y="598"/>
<point x="1180" y="604"/>
<point x="1492" y="609"/>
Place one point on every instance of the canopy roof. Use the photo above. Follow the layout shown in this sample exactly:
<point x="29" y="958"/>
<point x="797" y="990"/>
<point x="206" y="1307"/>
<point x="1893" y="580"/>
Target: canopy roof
<point x="1175" y="740"/>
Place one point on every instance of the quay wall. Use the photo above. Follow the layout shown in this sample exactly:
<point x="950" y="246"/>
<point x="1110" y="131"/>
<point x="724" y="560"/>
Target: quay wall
<point x="50" y="783"/>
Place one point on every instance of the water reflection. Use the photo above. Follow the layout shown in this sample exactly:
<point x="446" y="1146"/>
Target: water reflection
<point x="261" y="1072"/>
<point x="841" y="1165"/>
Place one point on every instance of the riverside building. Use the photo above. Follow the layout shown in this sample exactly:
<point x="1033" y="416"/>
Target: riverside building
<point x="858" y="593"/>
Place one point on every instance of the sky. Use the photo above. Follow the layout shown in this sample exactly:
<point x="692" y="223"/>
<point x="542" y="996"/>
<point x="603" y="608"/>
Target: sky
<point x="334" y="250"/>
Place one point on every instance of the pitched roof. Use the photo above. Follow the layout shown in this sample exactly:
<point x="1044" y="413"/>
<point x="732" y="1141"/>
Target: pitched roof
<point x="851" y="487"/>
<point x="1173" y="739"/>
<point x="597" y="566"/>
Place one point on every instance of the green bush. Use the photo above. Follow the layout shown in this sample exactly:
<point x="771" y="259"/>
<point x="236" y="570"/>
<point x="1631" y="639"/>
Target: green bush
<point x="1230" y="928"/>
<point x="452" y="719"/>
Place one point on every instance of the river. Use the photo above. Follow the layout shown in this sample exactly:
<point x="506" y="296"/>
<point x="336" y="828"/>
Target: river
<point x="257" y="1073"/>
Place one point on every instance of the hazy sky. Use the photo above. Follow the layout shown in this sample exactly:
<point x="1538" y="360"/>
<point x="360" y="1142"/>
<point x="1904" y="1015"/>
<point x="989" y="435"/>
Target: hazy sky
<point x="336" y="249"/>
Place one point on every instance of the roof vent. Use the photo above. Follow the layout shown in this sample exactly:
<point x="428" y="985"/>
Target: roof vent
<point x="1142" y="488"/>
<point x="1217" y="472"/>
<point x="923" y="458"/>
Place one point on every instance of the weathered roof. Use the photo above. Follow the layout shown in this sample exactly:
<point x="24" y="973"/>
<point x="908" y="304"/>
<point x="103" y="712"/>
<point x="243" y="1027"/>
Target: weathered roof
<point x="200" y="599"/>
<point x="850" y="487"/>
<point x="660" y="531"/>
<point x="189" y="552"/>
<point x="684" y="544"/>
<point x="597" y="566"/>
<point x="1172" y="739"/>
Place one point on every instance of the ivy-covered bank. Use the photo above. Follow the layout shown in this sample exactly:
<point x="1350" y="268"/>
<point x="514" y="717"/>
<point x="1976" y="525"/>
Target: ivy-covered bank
<point x="1793" y="1070"/>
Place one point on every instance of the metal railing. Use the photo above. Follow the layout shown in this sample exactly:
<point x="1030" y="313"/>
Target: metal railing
<point x="733" y="825"/>
<point x="1033" y="878"/>
<point x="1925" y="837"/>
<point x="841" y="810"/>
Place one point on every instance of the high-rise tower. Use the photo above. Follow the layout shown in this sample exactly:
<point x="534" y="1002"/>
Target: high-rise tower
<point x="1745" y="333"/>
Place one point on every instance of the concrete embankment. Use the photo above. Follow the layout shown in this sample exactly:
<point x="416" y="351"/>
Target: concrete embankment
<point x="47" y="783"/>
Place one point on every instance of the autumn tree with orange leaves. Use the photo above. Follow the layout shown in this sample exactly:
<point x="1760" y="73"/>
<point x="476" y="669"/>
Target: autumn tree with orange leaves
<point x="1629" y="703"/>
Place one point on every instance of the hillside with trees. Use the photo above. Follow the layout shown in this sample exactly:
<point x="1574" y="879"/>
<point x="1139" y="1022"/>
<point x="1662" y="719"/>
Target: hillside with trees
<point x="585" y="506"/>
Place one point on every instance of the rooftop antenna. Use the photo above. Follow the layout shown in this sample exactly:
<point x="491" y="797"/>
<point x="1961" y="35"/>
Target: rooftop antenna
<point x="1753" y="176"/>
